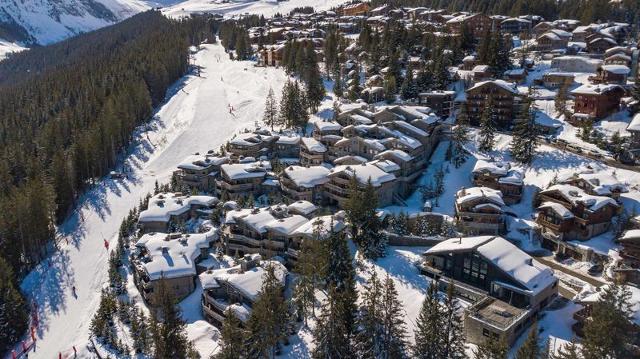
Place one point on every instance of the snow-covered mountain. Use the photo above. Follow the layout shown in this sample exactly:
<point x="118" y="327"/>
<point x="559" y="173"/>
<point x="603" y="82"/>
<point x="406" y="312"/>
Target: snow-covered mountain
<point x="47" y="21"/>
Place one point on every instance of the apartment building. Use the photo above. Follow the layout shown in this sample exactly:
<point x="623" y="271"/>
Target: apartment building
<point x="337" y="189"/>
<point x="502" y="97"/>
<point x="479" y="210"/>
<point x="499" y="176"/>
<point x="169" y="257"/>
<point x="199" y="171"/>
<point x="241" y="179"/>
<point x="304" y="183"/>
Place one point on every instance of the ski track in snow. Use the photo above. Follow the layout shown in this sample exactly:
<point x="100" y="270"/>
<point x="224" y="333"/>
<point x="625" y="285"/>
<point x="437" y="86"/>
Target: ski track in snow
<point x="194" y="119"/>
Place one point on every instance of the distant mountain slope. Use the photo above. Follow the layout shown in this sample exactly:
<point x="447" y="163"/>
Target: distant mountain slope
<point x="47" y="21"/>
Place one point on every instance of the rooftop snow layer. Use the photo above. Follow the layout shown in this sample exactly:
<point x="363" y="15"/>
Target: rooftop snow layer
<point x="307" y="177"/>
<point x="364" y="173"/>
<point x="173" y="258"/>
<point x="164" y="205"/>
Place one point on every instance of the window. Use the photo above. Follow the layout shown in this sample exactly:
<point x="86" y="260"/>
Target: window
<point x="474" y="269"/>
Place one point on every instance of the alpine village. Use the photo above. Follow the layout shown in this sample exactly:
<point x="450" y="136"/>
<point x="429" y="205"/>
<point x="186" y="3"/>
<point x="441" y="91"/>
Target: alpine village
<point x="437" y="179"/>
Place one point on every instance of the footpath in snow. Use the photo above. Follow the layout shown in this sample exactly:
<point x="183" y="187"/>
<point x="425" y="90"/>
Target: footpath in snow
<point x="194" y="119"/>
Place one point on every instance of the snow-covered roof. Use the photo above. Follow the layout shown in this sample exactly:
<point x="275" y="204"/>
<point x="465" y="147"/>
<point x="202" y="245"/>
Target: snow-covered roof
<point x="514" y="176"/>
<point x="249" y="139"/>
<point x="576" y="195"/>
<point x="411" y="128"/>
<point x="164" y="205"/>
<point x="630" y="234"/>
<point x="561" y="210"/>
<point x="250" y="282"/>
<point x="617" y="69"/>
<point x="602" y="183"/>
<point x="288" y="139"/>
<point x="286" y="225"/>
<point x="504" y="255"/>
<point x="494" y="167"/>
<point x="307" y="177"/>
<point x="201" y="162"/>
<point x="517" y="264"/>
<point x="328" y="126"/>
<point x="634" y="125"/>
<point x="395" y="153"/>
<point x="364" y="173"/>
<point x="386" y="165"/>
<point x="508" y="86"/>
<point x="474" y="193"/>
<point x="589" y="89"/>
<point x="173" y="257"/>
<point x="302" y="207"/>
<point x="320" y="226"/>
<point x="313" y="145"/>
<point x="246" y="170"/>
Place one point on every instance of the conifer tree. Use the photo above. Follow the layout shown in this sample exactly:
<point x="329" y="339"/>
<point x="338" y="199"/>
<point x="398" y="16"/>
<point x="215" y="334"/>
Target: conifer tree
<point x="270" y="117"/>
<point x="368" y="340"/>
<point x="609" y="331"/>
<point x="394" y="344"/>
<point x="492" y="348"/>
<point x="409" y="89"/>
<point x="13" y="314"/>
<point x="266" y="326"/>
<point x="390" y="88"/>
<point x="560" y="102"/>
<point x="313" y="80"/>
<point x="310" y="267"/>
<point x="460" y="137"/>
<point x="354" y="84"/>
<point x="453" y="333"/>
<point x="332" y="334"/>
<point x="530" y="349"/>
<point x="232" y="337"/>
<point x="525" y="133"/>
<point x="487" y="128"/>
<point x="338" y="89"/>
<point x="428" y="333"/>
<point x="170" y="340"/>
<point x="140" y="331"/>
<point x="366" y="227"/>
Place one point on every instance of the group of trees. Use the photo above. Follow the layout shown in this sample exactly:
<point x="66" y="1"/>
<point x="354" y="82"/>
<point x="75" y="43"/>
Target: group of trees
<point x="493" y="50"/>
<point x="235" y="37"/>
<point x="366" y="227"/>
<point x="300" y="59"/>
<point x="67" y="111"/>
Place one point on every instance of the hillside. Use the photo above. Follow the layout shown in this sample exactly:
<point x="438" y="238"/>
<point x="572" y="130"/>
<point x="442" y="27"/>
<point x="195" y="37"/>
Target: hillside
<point x="44" y="22"/>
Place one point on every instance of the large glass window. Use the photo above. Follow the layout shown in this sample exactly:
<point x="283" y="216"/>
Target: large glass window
<point x="474" y="270"/>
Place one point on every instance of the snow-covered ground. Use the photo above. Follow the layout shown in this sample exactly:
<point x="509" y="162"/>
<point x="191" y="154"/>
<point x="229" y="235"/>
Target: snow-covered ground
<point x="195" y="119"/>
<point x="237" y="7"/>
<point x="7" y="47"/>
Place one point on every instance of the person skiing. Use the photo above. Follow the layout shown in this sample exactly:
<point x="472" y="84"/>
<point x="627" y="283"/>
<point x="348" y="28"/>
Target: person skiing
<point x="106" y="244"/>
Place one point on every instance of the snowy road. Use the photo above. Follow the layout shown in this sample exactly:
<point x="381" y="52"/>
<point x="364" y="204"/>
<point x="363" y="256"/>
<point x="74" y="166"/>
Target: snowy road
<point x="195" y="119"/>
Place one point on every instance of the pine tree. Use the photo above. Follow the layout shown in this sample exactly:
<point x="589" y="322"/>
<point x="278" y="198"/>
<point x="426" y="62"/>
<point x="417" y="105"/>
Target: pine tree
<point x="270" y="117"/>
<point x="409" y="89"/>
<point x="332" y="334"/>
<point x="313" y="80"/>
<point x="453" y="336"/>
<point x="394" y="344"/>
<point x="560" y="101"/>
<point x="525" y="133"/>
<point x="310" y="266"/>
<point x="428" y="333"/>
<point x="267" y="324"/>
<point x="487" y="128"/>
<point x="459" y="138"/>
<point x="232" y="337"/>
<point x="369" y="338"/>
<point x="609" y="331"/>
<point x="338" y="89"/>
<point x="635" y="92"/>
<point x="530" y="349"/>
<point x="140" y="331"/>
<point x="170" y="339"/>
<point x="492" y="348"/>
<point x="13" y="314"/>
<point x="390" y="88"/>
<point x="366" y="227"/>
